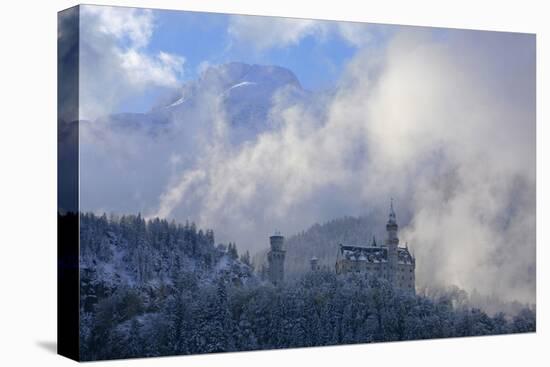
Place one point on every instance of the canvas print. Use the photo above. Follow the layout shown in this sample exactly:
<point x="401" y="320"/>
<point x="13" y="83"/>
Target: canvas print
<point x="233" y="183"/>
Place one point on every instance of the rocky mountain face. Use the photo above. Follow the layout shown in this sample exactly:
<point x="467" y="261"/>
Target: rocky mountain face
<point x="240" y="94"/>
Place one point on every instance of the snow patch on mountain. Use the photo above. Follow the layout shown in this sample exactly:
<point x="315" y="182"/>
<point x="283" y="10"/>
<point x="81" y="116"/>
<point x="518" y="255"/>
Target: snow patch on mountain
<point x="241" y="84"/>
<point x="178" y="102"/>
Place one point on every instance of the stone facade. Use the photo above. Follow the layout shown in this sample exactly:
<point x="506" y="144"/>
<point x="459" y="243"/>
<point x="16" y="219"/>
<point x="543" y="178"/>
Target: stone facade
<point x="390" y="262"/>
<point x="276" y="259"/>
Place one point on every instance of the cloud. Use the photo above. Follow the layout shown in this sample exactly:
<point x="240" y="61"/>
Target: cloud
<point x="263" y="33"/>
<point x="133" y="25"/>
<point x="445" y="125"/>
<point x="174" y="195"/>
<point x="125" y="166"/>
<point x="114" y="62"/>
<point x="143" y="70"/>
<point x="267" y="32"/>
<point x="443" y="122"/>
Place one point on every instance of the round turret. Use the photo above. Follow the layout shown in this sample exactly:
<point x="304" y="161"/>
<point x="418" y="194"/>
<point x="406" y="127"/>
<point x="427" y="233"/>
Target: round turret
<point x="277" y="242"/>
<point x="276" y="258"/>
<point x="314" y="263"/>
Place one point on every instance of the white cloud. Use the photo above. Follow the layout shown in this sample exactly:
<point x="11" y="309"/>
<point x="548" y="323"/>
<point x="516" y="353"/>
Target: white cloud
<point x="263" y="33"/>
<point x="142" y="70"/>
<point x="125" y="24"/>
<point x="203" y="66"/>
<point x="176" y="193"/>
<point x="114" y="62"/>
<point x="356" y="34"/>
<point x="267" y="32"/>
<point x="445" y="127"/>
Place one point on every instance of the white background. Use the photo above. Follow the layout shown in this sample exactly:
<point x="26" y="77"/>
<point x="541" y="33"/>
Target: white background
<point x="28" y="182"/>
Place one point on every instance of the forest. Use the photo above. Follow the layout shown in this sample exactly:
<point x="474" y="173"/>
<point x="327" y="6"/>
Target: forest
<point x="155" y="288"/>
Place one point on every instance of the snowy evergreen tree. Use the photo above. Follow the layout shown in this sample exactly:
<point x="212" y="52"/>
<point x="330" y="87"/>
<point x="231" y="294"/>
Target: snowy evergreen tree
<point x="153" y="287"/>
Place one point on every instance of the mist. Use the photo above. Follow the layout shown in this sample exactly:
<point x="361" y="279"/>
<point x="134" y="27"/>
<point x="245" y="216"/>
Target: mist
<point x="443" y="122"/>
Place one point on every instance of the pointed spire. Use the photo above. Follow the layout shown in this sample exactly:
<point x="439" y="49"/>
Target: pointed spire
<point x="373" y="242"/>
<point x="392" y="218"/>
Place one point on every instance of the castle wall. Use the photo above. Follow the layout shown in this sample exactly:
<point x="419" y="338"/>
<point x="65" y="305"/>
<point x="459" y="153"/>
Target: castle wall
<point x="403" y="277"/>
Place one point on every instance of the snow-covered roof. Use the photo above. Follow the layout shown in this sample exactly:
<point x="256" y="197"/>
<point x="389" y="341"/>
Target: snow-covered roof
<point x="404" y="256"/>
<point x="370" y="254"/>
<point x="374" y="254"/>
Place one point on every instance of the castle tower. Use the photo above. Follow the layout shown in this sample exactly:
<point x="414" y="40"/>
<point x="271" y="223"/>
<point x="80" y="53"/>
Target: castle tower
<point x="314" y="262"/>
<point x="276" y="259"/>
<point x="392" y="241"/>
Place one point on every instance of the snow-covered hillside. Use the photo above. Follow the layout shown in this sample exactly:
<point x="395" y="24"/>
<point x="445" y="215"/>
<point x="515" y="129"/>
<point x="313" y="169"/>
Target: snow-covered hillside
<point x="156" y="254"/>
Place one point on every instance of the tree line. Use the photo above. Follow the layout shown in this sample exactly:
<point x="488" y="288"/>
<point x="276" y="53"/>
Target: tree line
<point x="201" y="298"/>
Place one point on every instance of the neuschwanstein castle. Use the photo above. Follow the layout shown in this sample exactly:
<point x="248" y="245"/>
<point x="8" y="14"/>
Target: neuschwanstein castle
<point x="389" y="261"/>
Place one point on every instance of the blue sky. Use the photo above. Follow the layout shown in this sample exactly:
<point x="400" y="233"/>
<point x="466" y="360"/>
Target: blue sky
<point x="204" y="37"/>
<point x="316" y="53"/>
<point x="138" y="55"/>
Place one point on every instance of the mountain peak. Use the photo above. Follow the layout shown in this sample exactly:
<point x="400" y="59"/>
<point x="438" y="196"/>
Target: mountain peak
<point x="246" y="92"/>
<point x="238" y="72"/>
